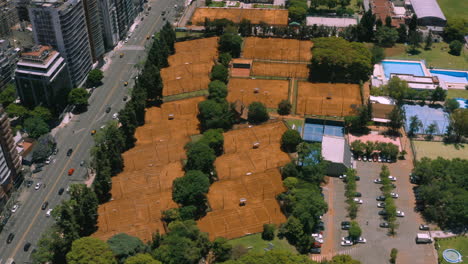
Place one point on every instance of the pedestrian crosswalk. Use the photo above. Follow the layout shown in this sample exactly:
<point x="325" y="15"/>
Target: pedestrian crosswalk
<point x="348" y="251"/>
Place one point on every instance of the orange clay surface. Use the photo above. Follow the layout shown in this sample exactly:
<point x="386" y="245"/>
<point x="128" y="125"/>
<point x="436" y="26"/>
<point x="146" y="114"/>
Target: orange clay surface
<point x="277" y="49"/>
<point x="245" y="172"/>
<point x="277" y="69"/>
<point x="336" y="99"/>
<point x="270" y="92"/>
<point x="189" y="68"/>
<point x="236" y="15"/>
<point x="144" y="189"/>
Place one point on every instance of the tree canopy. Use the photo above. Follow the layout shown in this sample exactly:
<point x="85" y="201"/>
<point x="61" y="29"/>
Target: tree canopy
<point x="8" y="95"/>
<point x="272" y="257"/>
<point x="214" y="138"/>
<point x="200" y="157"/>
<point x="217" y="90"/>
<point x="219" y="72"/>
<point x="124" y="246"/>
<point x="230" y="43"/>
<point x="78" y="97"/>
<point x="290" y="139"/>
<point x="214" y="114"/>
<point x="284" y="107"/>
<point x="35" y="127"/>
<point x="338" y="60"/>
<point x="386" y="36"/>
<point x="257" y="113"/>
<point x="190" y="189"/>
<point x="94" y="78"/>
<point x="142" y="259"/>
<point x="90" y="250"/>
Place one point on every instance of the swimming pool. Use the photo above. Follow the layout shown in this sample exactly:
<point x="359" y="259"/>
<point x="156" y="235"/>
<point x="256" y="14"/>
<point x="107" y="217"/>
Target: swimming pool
<point x="462" y="102"/>
<point x="451" y="76"/>
<point x="414" y="68"/>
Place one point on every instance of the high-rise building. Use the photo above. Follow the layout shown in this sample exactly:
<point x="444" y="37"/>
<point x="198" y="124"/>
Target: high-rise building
<point x="109" y="22"/>
<point x="10" y="163"/>
<point x="8" y="59"/>
<point x="62" y="25"/>
<point x="125" y="16"/>
<point x="93" y="22"/>
<point x="8" y="17"/>
<point x="22" y="8"/>
<point x="42" y="77"/>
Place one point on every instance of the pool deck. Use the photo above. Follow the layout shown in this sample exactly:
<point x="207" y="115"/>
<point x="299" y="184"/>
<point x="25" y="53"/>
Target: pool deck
<point x="452" y="85"/>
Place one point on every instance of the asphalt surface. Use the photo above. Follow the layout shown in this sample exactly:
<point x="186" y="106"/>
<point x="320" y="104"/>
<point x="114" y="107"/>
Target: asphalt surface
<point x="29" y="221"/>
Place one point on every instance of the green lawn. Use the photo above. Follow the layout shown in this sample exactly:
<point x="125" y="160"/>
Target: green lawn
<point x="456" y="93"/>
<point x="438" y="56"/>
<point x="296" y="122"/>
<point x="217" y="4"/>
<point x="188" y="34"/>
<point x="266" y="6"/>
<point x="255" y="243"/>
<point x="454" y="8"/>
<point x="435" y="149"/>
<point x="185" y="95"/>
<point x="459" y="243"/>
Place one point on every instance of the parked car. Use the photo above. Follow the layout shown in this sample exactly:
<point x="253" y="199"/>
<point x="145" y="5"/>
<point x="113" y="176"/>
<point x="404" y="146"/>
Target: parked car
<point x="346" y="243"/>
<point x="71" y="171"/>
<point x="357" y="194"/>
<point x="345" y="225"/>
<point x="383" y="212"/>
<point x="115" y="115"/>
<point x="424" y="227"/>
<point x="315" y="250"/>
<point x="48" y="160"/>
<point x="10" y="238"/>
<point x="378" y="181"/>
<point x="69" y="152"/>
<point x="29" y="183"/>
<point x="394" y="195"/>
<point x="44" y="205"/>
<point x="49" y="213"/>
<point x="38" y="185"/>
<point x="381" y="205"/>
<point x="108" y="109"/>
<point x="380" y="198"/>
<point x="26" y="246"/>
<point x="400" y="214"/>
<point x="384" y="225"/>
<point x="357" y="200"/>
<point x="392" y="178"/>
<point x="82" y="163"/>
<point x="361" y="240"/>
<point x="37" y="169"/>
<point x="316" y="245"/>
<point x="14" y="208"/>
<point x="60" y="191"/>
<point x="125" y="98"/>
<point x="364" y="158"/>
<point x="343" y="176"/>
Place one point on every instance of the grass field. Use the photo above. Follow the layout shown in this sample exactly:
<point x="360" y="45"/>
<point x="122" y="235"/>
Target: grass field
<point x="456" y="93"/>
<point x="454" y="8"/>
<point x="295" y="122"/>
<point x="185" y="95"/>
<point x="435" y="149"/>
<point x="437" y="57"/>
<point x="458" y="243"/>
<point x="255" y="243"/>
<point x="187" y="34"/>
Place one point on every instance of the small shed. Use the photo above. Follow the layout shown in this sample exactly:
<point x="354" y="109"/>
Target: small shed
<point x="336" y="151"/>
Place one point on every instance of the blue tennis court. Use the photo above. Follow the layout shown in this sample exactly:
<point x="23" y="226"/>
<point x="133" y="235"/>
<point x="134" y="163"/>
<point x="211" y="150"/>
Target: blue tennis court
<point x="315" y="132"/>
<point x="428" y="116"/>
<point x="336" y="131"/>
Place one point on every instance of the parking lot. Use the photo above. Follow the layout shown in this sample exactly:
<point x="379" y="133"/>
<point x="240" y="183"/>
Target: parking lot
<point x="379" y="243"/>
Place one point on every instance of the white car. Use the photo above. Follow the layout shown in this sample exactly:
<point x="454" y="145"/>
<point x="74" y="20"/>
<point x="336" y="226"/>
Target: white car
<point x="361" y="240"/>
<point x="68" y="189"/>
<point x="49" y="212"/>
<point x="394" y="195"/>
<point x="38" y="185"/>
<point x="364" y="158"/>
<point x="400" y="214"/>
<point x="359" y="158"/>
<point x="115" y="115"/>
<point x="342" y="176"/>
<point x="381" y="205"/>
<point x="378" y="181"/>
<point x="47" y="161"/>
<point x="379" y="159"/>
<point x="317" y="235"/>
<point x="346" y="243"/>
<point x="392" y="178"/>
<point x="357" y="200"/>
<point x="14" y="208"/>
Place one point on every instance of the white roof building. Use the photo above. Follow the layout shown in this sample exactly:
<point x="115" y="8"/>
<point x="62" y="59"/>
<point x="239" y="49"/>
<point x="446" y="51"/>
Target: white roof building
<point x="339" y="22"/>
<point x="337" y="152"/>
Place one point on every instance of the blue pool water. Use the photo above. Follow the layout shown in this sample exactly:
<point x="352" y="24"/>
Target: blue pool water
<point x="451" y="76"/>
<point x="414" y="68"/>
<point x="462" y="102"/>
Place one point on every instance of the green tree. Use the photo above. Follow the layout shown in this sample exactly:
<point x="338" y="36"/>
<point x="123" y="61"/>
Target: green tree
<point x="272" y="257"/>
<point x="44" y="147"/>
<point x="90" y="250"/>
<point x="438" y="94"/>
<point x="430" y="130"/>
<point x="51" y="247"/>
<point x="215" y="114"/>
<point x="290" y="139"/>
<point x="79" y="98"/>
<point x="85" y="208"/>
<point x="217" y="90"/>
<point x="292" y="230"/>
<point x="398" y="88"/>
<point x="366" y="26"/>
<point x="428" y="41"/>
<point x="456" y="47"/>
<point x="402" y="34"/>
<point x="397" y="117"/>
<point x="102" y="184"/>
<point x="8" y="95"/>
<point x="225" y="59"/>
<point x="378" y="54"/>
<point x="290" y="183"/>
<point x="284" y="107"/>
<point x="460" y="123"/>
<point x="386" y="36"/>
<point x="142" y="259"/>
<point x="42" y="112"/>
<point x="297" y="13"/>
<point x="219" y="72"/>
<point x="245" y="28"/>
<point x="170" y="215"/>
<point x="414" y="39"/>
<point x="66" y="222"/>
<point x="128" y="123"/>
<point x="200" y="157"/>
<point x="268" y="232"/>
<point x="35" y="127"/>
<point x="214" y="139"/>
<point x="16" y="110"/>
<point x="124" y="246"/>
<point x="451" y="105"/>
<point x="221" y="249"/>
<point x="354" y="231"/>
<point x="151" y="81"/>
<point x="169" y="36"/>
<point x="343" y="259"/>
<point x="257" y="113"/>
<point x="413" y="24"/>
<point x="94" y="78"/>
<point x="191" y="189"/>
<point x="456" y="29"/>
<point x="230" y="43"/>
<point x="388" y="21"/>
<point x="414" y="126"/>
<point x="289" y="170"/>
<point x="393" y="255"/>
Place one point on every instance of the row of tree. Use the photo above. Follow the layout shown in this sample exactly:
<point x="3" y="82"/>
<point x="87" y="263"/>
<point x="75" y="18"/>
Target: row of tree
<point x="390" y="207"/>
<point x="302" y="202"/>
<point x="350" y="193"/>
<point x="370" y="148"/>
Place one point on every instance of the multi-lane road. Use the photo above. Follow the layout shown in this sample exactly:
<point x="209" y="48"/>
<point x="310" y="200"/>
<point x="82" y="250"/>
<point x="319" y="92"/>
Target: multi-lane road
<point x="30" y="221"/>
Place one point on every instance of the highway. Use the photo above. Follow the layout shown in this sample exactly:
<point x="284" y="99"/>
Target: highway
<point x="29" y="221"/>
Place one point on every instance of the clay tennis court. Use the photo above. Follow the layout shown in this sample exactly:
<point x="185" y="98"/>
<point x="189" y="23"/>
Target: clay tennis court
<point x="144" y="189"/>
<point x="236" y="15"/>
<point x="277" y="49"/>
<point x="190" y="66"/>
<point x="270" y="92"/>
<point x="245" y="172"/>
<point x="289" y="70"/>
<point x="337" y="99"/>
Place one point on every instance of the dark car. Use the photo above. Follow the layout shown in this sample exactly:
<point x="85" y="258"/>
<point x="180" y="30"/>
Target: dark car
<point x="321" y="225"/>
<point x="108" y="109"/>
<point x="380" y="198"/>
<point x="424" y="227"/>
<point x="125" y="98"/>
<point x="315" y="250"/>
<point x="69" y="152"/>
<point x="345" y="225"/>
<point x="357" y="194"/>
<point x="29" y="183"/>
<point x="37" y="169"/>
<point x="61" y="190"/>
<point x="44" y="205"/>
<point x="384" y="225"/>
<point x="27" y="246"/>
<point x="10" y="238"/>
<point x="383" y="212"/>
<point x="40" y="165"/>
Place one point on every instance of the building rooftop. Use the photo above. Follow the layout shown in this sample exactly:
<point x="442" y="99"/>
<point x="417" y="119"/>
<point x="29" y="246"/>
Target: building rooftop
<point x="331" y="21"/>
<point x="39" y="54"/>
<point x="427" y="8"/>
<point x="333" y="149"/>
